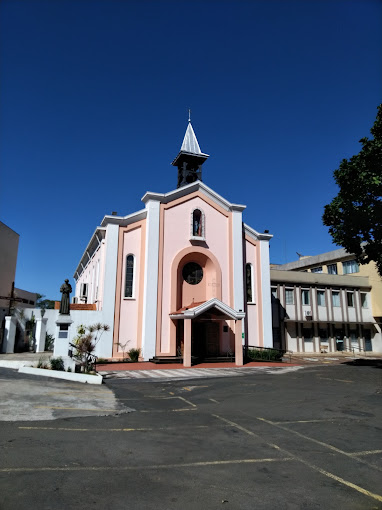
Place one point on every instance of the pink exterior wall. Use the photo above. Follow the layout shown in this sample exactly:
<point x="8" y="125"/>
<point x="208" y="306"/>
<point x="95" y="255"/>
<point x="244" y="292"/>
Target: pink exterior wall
<point x="175" y="237"/>
<point x="128" y="311"/>
<point x="93" y="276"/>
<point x="252" y="256"/>
<point x="128" y="317"/>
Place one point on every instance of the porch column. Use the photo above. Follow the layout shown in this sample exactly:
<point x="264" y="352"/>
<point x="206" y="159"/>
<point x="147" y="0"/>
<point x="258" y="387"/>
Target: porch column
<point x="238" y="344"/>
<point x="187" y="343"/>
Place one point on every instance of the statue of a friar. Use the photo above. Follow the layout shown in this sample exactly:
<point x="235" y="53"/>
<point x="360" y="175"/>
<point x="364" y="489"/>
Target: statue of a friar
<point x="65" y="290"/>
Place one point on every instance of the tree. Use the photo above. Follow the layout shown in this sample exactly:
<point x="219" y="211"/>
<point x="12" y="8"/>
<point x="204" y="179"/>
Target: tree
<point x="354" y="216"/>
<point x="44" y="304"/>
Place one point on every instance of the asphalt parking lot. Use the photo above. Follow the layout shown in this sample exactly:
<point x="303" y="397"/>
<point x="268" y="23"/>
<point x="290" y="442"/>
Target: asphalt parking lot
<point x="305" y="439"/>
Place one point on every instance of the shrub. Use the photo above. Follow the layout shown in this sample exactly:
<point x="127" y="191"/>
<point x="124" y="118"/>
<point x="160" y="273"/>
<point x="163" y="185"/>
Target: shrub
<point x="134" y="354"/>
<point x="49" y="342"/>
<point x="42" y="363"/>
<point x="265" y="354"/>
<point x="102" y="360"/>
<point x="57" y="364"/>
<point x="85" y="343"/>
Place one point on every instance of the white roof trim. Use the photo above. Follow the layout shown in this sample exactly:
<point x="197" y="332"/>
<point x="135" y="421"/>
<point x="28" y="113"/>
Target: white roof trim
<point x="165" y="198"/>
<point x="256" y="235"/>
<point x="192" y="313"/>
<point x="95" y="241"/>
<point x="123" y="221"/>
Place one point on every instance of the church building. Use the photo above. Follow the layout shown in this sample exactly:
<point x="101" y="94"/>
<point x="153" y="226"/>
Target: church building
<point x="182" y="278"/>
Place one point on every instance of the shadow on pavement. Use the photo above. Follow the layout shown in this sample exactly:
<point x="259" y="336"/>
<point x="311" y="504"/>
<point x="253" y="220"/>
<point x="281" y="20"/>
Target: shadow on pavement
<point x="377" y="363"/>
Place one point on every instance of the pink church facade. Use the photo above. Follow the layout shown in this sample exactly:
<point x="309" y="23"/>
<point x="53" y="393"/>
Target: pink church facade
<point x="182" y="278"/>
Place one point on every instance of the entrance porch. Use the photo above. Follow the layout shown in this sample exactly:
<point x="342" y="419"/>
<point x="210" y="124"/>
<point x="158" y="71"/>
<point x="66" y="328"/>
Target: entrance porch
<point x="209" y="330"/>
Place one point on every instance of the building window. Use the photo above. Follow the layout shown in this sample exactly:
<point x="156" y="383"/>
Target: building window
<point x="305" y="297"/>
<point x="335" y="298"/>
<point x="192" y="273"/>
<point x="321" y="298"/>
<point x="197" y="223"/>
<point x="129" y="280"/>
<point x="274" y="292"/>
<point x="316" y="269"/>
<point x="323" y="334"/>
<point x="350" y="266"/>
<point x="84" y="290"/>
<point x="350" y="298"/>
<point x="332" y="269"/>
<point x="307" y="334"/>
<point x="249" y="282"/>
<point x="289" y="297"/>
<point x="364" y="300"/>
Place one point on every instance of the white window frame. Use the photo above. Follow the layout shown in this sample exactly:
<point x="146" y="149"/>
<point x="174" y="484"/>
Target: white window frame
<point x="332" y="265"/>
<point x="336" y="293"/>
<point x="305" y="292"/>
<point x="84" y="290"/>
<point x="350" y="293"/>
<point x="252" y="284"/>
<point x="364" y="300"/>
<point x="133" y="283"/>
<point x="290" y="293"/>
<point x="350" y="264"/>
<point x="317" y="269"/>
<point x="321" y="292"/>
<point x="203" y="236"/>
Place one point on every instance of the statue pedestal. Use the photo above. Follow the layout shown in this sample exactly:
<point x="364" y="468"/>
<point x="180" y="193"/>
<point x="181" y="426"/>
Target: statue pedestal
<point x="62" y="339"/>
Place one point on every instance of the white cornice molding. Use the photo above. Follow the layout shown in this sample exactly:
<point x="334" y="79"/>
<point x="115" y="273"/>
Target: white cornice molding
<point x="123" y="221"/>
<point x="192" y="313"/>
<point x="165" y="198"/>
<point x="256" y="235"/>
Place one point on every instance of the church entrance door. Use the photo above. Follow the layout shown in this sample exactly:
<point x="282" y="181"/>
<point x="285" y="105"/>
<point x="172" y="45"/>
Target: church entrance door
<point x="205" y="339"/>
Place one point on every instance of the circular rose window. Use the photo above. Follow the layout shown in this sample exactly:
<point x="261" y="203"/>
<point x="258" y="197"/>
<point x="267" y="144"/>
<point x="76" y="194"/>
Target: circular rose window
<point x="192" y="273"/>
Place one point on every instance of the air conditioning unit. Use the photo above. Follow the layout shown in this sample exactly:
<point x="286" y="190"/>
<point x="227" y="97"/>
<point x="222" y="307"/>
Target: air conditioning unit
<point x="308" y="314"/>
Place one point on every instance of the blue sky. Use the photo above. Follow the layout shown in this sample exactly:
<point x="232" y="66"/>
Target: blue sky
<point x="94" y="106"/>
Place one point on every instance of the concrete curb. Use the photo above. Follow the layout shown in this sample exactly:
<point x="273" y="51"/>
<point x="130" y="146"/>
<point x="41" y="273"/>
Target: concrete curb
<point x="56" y="374"/>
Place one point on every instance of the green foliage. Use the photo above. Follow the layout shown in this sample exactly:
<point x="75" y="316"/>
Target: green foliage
<point x="42" y="362"/>
<point x="102" y="360"/>
<point x="57" y="364"/>
<point x="86" y="342"/>
<point x="123" y="347"/>
<point x="44" y="304"/>
<point x="49" y="342"/>
<point x="265" y="354"/>
<point x="134" y="354"/>
<point x="69" y="369"/>
<point x="354" y="216"/>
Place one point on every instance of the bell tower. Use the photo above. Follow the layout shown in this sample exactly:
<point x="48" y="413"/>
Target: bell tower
<point x="190" y="159"/>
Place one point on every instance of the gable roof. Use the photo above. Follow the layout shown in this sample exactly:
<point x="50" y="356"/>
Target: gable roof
<point x="165" y="198"/>
<point x="196" y="309"/>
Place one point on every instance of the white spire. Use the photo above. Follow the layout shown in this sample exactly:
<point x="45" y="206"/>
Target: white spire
<point x="190" y="143"/>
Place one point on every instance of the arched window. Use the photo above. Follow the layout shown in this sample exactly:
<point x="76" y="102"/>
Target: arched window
<point x="249" y="283"/>
<point x="197" y="223"/>
<point x="129" y="279"/>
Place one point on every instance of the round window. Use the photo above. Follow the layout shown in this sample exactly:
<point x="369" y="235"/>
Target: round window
<point x="192" y="273"/>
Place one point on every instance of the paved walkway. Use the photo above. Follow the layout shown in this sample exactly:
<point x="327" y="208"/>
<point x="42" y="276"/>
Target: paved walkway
<point x="200" y="372"/>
